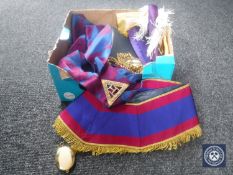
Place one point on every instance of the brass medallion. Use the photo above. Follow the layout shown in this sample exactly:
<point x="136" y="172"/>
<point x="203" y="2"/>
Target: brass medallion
<point x="113" y="90"/>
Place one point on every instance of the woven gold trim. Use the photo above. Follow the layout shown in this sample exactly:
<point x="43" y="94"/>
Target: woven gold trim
<point x="161" y="80"/>
<point x="78" y="145"/>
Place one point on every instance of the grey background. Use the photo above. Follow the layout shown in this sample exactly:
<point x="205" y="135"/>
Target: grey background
<point x="203" y="43"/>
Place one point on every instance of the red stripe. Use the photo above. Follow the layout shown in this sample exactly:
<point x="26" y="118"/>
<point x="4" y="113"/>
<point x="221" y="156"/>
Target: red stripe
<point x="158" y="84"/>
<point x="145" y="107"/>
<point x="155" y="84"/>
<point x="124" y="140"/>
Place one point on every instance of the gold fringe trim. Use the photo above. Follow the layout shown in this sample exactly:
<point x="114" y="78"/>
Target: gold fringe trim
<point x="78" y="145"/>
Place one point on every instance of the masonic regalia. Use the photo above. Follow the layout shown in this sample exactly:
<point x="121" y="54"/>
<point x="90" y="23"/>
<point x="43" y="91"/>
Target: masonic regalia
<point x="160" y="119"/>
<point x="120" y="110"/>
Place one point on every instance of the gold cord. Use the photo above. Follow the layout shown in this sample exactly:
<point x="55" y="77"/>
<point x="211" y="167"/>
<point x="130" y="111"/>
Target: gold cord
<point x="127" y="61"/>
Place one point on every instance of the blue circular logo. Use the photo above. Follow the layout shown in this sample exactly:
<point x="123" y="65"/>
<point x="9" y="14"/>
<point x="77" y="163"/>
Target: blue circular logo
<point x="214" y="156"/>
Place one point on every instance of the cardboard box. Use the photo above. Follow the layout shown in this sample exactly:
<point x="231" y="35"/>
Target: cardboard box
<point x="67" y="88"/>
<point x="162" y="68"/>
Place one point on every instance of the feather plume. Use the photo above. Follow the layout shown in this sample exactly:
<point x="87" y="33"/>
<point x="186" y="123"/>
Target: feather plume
<point x="142" y="23"/>
<point x="160" y="24"/>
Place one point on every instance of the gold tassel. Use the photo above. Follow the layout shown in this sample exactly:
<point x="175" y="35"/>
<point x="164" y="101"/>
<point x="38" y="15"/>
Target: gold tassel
<point x="127" y="61"/>
<point x="79" y="145"/>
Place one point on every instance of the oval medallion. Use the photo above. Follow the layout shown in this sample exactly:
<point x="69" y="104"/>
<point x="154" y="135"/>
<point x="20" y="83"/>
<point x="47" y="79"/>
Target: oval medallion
<point x="65" y="158"/>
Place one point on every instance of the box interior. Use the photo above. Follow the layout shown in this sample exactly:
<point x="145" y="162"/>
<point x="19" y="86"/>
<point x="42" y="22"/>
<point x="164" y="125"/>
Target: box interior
<point x="96" y="17"/>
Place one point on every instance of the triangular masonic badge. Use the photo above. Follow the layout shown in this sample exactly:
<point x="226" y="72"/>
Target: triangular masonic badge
<point x="113" y="90"/>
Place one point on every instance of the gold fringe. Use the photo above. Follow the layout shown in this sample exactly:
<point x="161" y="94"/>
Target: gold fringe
<point x="78" y="145"/>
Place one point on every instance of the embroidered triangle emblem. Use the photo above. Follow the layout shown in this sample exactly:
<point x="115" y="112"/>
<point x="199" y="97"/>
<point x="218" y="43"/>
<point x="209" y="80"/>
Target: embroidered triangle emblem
<point x="113" y="90"/>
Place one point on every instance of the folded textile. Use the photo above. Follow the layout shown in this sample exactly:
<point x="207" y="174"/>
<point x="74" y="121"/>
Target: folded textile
<point x="92" y="46"/>
<point x="141" y="29"/>
<point x="148" y="32"/>
<point x="159" y="119"/>
<point x="88" y="65"/>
